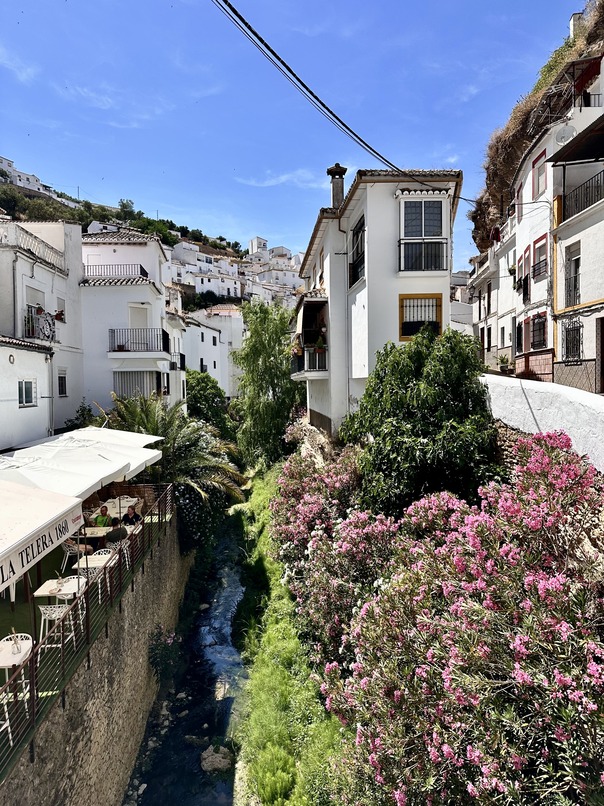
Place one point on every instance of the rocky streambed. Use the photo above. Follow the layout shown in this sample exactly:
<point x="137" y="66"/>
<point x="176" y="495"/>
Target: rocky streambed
<point x="187" y="753"/>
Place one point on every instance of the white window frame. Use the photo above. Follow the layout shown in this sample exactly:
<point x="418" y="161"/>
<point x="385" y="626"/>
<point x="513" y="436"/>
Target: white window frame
<point x="23" y="402"/>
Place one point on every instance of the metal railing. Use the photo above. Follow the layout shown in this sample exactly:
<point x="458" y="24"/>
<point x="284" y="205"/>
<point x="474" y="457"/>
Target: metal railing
<point x="35" y="685"/>
<point x="38" y="325"/>
<point x="116" y="270"/>
<point x="540" y="267"/>
<point x="584" y="196"/>
<point x="139" y="340"/>
<point x="178" y="361"/>
<point x="572" y="291"/>
<point x="40" y="249"/>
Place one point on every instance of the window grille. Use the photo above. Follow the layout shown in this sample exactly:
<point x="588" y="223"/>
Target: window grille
<point x="415" y="312"/>
<point x="572" y="340"/>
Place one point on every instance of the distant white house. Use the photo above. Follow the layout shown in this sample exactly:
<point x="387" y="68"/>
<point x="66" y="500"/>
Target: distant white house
<point x="133" y="337"/>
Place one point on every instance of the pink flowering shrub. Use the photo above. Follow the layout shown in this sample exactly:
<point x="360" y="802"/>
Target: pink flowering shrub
<point x="477" y="669"/>
<point x="310" y="497"/>
<point x="341" y="566"/>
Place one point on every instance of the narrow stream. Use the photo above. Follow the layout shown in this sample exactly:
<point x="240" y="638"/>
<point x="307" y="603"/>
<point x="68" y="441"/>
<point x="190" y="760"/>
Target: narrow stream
<point x="200" y="715"/>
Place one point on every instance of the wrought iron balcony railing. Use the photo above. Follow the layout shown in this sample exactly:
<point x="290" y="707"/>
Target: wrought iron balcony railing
<point x="115" y="270"/>
<point x="139" y="340"/>
<point x="572" y="289"/>
<point x="584" y="196"/>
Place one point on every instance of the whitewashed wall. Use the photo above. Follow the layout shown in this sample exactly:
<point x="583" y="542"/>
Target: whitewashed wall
<point x="533" y="406"/>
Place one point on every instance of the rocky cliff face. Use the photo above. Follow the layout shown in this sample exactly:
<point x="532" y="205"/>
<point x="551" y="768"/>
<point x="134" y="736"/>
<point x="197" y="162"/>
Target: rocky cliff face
<point x="507" y="145"/>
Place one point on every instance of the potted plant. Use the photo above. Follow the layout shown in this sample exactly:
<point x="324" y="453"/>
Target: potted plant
<point x="504" y="363"/>
<point x="512" y="269"/>
<point x="60" y="316"/>
<point x="319" y="345"/>
<point x="39" y="310"/>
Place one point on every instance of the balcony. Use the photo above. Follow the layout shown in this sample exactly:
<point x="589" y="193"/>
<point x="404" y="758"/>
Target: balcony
<point x="38" y="324"/>
<point x="584" y="196"/>
<point x="139" y="340"/>
<point x="572" y="291"/>
<point x="312" y="364"/>
<point x="178" y="362"/>
<point x="539" y="268"/>
<point x="115" y="270"/>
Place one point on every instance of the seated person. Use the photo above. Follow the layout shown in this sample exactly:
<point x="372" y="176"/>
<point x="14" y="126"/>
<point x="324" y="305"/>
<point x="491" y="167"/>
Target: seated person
<point x="117" y="532"/>
<point x="103" y="519"/>
<point x="83" y="548"/>
<point x="131" y="518"/>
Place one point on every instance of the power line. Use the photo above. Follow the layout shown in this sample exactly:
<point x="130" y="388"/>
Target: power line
<point x="273" y="57"/>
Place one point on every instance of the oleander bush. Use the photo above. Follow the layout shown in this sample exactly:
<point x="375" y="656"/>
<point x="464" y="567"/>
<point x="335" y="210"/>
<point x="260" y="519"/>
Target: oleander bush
<point x="478" y="668"/>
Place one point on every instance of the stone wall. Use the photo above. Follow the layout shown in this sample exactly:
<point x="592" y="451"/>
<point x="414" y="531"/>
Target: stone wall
<point x="85" y="752"/>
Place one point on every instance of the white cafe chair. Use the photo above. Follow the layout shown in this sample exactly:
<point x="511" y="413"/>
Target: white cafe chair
<point x="20" y="636"/>
<point x="50" y="615"/>
<point x="68" y="551"/>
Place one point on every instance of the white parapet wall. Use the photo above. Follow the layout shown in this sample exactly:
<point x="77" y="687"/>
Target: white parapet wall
<point x="533" y="406"/>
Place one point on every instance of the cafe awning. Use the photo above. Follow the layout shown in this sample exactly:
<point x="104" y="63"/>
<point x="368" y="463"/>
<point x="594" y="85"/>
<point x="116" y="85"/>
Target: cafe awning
<point x="31" y="526"/>
<point x="33" y="473"/>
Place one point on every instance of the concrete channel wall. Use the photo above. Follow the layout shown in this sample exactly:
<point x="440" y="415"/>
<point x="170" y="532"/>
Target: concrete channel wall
<point x="84" y="752"/>
<point x="534" y="406"/>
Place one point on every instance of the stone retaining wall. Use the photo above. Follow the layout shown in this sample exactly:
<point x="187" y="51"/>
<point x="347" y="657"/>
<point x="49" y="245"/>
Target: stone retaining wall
<point x="85" y="752"/>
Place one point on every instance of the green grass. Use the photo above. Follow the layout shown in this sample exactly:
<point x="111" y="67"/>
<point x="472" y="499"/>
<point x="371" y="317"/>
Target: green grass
<point x="288" y="737"/>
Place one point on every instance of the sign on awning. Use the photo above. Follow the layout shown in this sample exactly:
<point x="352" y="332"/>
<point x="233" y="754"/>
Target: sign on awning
<point x="33" y="523"/>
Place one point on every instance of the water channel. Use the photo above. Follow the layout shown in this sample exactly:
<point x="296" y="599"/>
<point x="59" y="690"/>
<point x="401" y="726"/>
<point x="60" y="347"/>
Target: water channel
<point x="199" y="714"/>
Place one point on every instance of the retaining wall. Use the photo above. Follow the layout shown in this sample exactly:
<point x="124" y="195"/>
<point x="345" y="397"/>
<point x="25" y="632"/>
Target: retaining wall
<point x="84" y="752"/>
<point x="533" y="406"/>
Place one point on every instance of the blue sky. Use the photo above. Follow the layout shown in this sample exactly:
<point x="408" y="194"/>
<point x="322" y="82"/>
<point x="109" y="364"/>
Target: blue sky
<point x="165" y="102"/>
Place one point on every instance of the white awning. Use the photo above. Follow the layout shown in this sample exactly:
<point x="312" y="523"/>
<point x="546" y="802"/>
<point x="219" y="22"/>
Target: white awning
<point x="31" y="526"/>
<point x="33" y="473"/>
<point x="110" y="435"/>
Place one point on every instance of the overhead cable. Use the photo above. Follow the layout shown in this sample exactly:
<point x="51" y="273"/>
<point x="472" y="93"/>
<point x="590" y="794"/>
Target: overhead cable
<point x="273" y="57"/>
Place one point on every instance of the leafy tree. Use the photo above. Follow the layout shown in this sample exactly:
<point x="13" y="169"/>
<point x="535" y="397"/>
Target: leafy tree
<point x="184" y="231"/>
<point x="266" y="390"/>
<point x="192" y="452"/>
<point x="428" y="418"/>
<point x="12" y="201"/>
<point x="196" y="235"/>
<point x="83" y="417"/>
<point x="206" y="401"/>
<point x="126" y="210"/>
<point x="155" y="227"/>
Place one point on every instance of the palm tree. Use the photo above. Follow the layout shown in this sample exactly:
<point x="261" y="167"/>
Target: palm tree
<point x="192" y="451"/>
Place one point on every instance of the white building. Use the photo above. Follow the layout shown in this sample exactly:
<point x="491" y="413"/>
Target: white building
<point x="40" y="269"/>
<point x="134" y="323"/>
<point x="206" y="348"/>
<point x="376" y="269"/>
<point x="538" y="290"/>
<point x="26" y="381"/>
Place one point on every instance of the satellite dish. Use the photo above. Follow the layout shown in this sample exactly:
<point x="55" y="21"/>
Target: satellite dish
<point x="565" y="134"/>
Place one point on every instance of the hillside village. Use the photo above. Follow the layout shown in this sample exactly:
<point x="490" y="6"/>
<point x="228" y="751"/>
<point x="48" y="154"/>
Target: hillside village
<point x="409" y="590"/>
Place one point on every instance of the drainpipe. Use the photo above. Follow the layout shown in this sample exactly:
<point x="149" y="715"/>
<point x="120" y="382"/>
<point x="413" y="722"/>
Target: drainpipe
<point x="15" y="313"/>
<point x="51" y="394"/>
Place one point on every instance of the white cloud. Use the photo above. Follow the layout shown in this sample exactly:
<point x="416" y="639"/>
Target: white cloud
<point x="105" y="99"/>
<point x="24" y="73"/>
<point x="454" y="158"/>
<point x="300" y="178"/>
<point x="468" y="92"/>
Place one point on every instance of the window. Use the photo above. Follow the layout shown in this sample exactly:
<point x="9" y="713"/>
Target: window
<point x="488" y="298"/>
<point x="208" y="259"/>
<point x="356" y="268"/>
<point x="540" y="257"/>
<point x="489" y="340"/>
<point x="572" y="340"/>
<point x="519" y="344"/>
<point x="520" y="269"/>
<point x="502" y="337"/>
<point x="538" y="335"/>
<point x="214" y="364"/>
<point x="214" y="341"/>
<point x="480" y="303"/>
<point x="519" y="203"/>
<point x="62" y="383"/>
<point x="27" y="393"/>
<point x="228" y="292"/>
<point x="202" y="336"/>
<point x="572" y="267"/>
<point x="422" y="219"/>
<point x="539" y="175"/>
<point x="416" y="310"/>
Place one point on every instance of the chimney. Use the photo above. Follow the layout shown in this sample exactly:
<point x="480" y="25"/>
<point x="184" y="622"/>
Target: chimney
<point x="336" y="172"/>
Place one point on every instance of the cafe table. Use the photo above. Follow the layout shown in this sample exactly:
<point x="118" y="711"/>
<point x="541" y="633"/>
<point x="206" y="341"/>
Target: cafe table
<point x="95" y="560"/>
<point x="67" y="590"/>
<point x="96" y="531"/>
<point x="8" y="658"/>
